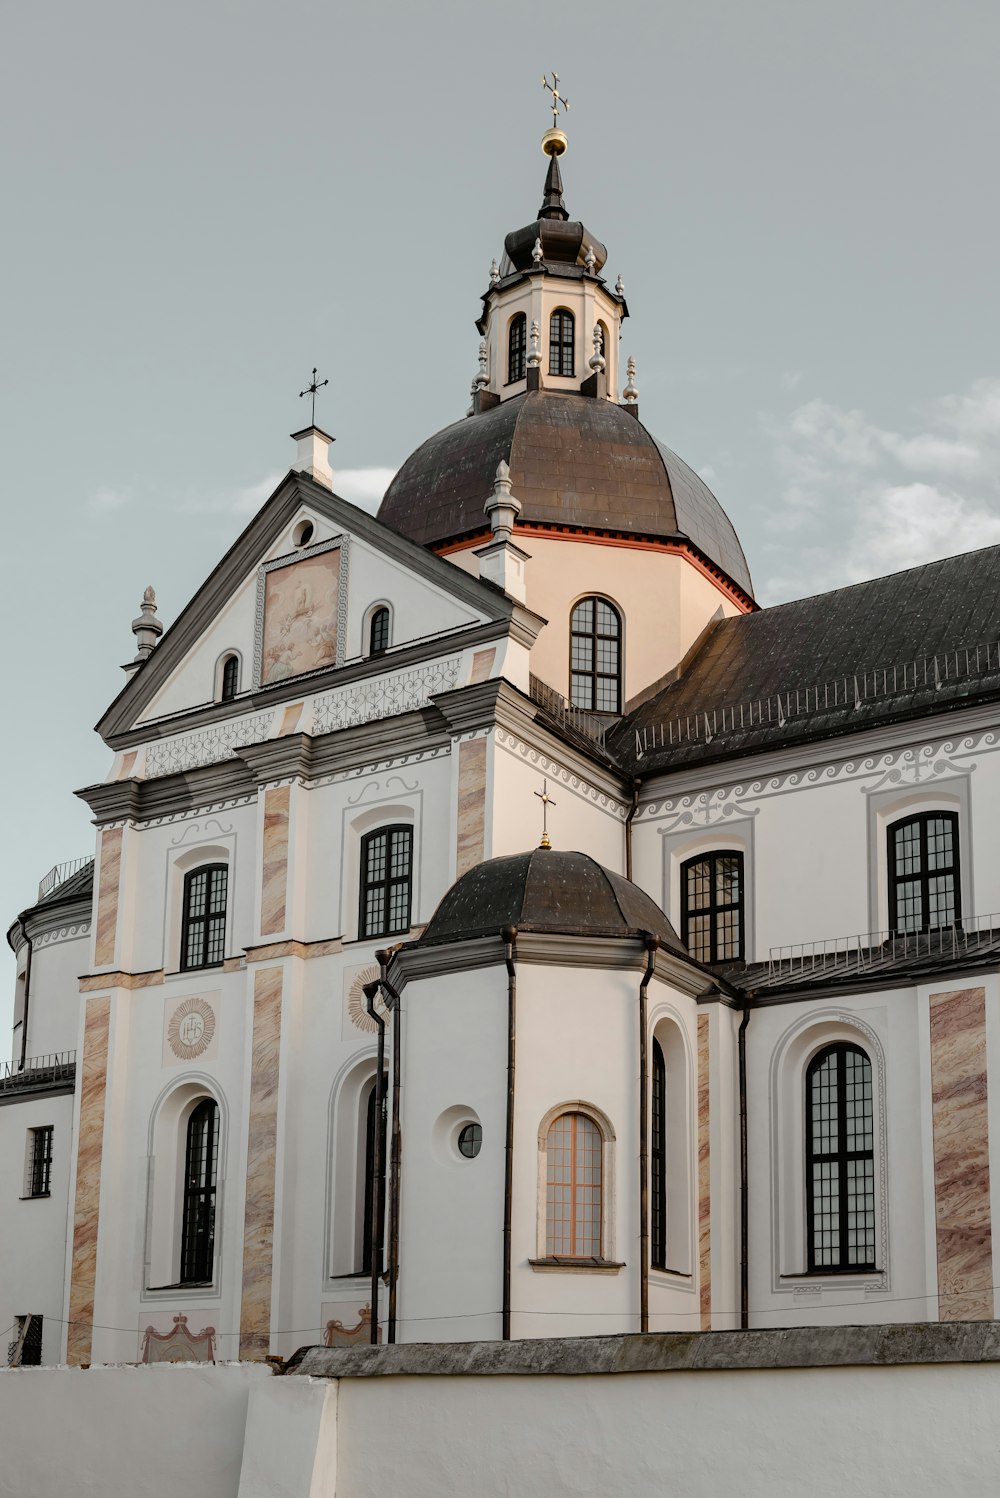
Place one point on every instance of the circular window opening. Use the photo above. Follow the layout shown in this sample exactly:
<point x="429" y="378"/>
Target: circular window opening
<point x="470" y="1140"/>
<point x="303" y="533"/>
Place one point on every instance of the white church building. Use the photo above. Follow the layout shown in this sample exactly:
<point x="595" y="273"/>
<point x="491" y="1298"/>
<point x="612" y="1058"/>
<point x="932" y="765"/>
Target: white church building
<point x="327" y="1043"/>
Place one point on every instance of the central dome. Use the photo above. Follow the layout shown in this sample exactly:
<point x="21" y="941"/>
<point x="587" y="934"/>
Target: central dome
<point x="588" y="464"/>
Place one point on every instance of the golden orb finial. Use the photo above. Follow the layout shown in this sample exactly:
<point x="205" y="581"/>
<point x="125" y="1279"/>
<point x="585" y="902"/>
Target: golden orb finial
<point x="554" y="141"/>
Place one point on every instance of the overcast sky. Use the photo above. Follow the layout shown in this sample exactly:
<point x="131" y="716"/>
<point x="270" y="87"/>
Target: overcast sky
<point x="203" y="200"/>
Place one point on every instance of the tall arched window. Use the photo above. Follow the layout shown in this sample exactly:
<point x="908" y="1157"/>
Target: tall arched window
<point x="658" y="1163"/>
<point x="369" y="1191"/>
<point x="924" y="886"/>
<point x="573" y="1206"/>
<point x="712" y="906"/>
<point x="595" y="651"/>
<point x="200" y="1172"/>
<point x="517" y="347"/>
<point x="840" y="1160"/>
<point x="378" y="632"/>
<point x="386" y="881"/>
<point x="203" y="934"/>
<point x="230" y="678"/>
<point x="562" y="335"/>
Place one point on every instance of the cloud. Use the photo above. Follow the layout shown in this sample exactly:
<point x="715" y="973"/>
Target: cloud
<point x="363" y="486"/>
<point x="860" y="500"/>
<point x="105" y="499"/>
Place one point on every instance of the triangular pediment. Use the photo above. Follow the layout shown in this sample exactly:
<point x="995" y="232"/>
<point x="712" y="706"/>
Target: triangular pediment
<point x="293" y="610"/>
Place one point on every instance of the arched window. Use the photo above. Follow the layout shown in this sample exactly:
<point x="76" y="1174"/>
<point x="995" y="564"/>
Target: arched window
<point x="658" y="1163"/>
<point x="562" y="359"/>
<point x="573" y="1206"/>
<point x="230" y="678"/>
<point x="378" y="632"/>
<point x="712" y="906"/>
<point x="203" y="933"/>
<point x="368" y="1197"/>
<point x="386" y="881"/>
<point x="924" y="886"/>
<point x="517" y="343"/>
<point x="840" y="1160"/>
<point x="200" y="1172"/>
<point x="602" y="340"/>
<point x="595" y="650"/>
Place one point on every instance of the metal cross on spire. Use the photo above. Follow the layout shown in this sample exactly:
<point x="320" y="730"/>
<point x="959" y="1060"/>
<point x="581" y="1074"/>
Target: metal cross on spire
<point x="557" y="98"/>
<point x="547" y="801"/>
<point x="311" y="390"/>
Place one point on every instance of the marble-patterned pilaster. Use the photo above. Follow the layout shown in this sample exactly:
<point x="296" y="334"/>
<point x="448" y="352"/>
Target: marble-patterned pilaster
<point x="471" y="804"/>
<point x="961" y="1155"/>
<point x="109" y="877"/>
<point x="258" y="1229"/>
<point x="90" y="1147"/>
<point x="274" y="862"/>
<point x="704" y="1180"/>
<point x="482" y="665"/>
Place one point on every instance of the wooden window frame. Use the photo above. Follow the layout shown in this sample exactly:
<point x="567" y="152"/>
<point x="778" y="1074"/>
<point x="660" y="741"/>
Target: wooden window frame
<point x="841" y="1156"/>
<point x="381" y="618"/>
<point x="658" y="1160"/>
<point x="229" y="683"/>
<point x="925" y="874"/>
<point x="198" y="1258"/>
<point x="40" y="1160"/>
<point x="517" y="348"/>
<point x="714" y="906"/>
<point x="189" y="920"/>
<point x="562" y="349"/>
<point x="574" y="1186"/>
<point x="594" y="635"/>
<point x="385" y="927"/>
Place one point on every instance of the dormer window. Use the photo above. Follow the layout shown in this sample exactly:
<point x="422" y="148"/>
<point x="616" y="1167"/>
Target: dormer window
<point x="562" y="336"/>
<point x="230" y="684"/>
<point x="517" y="343"/>
<point x="378" y="632"/>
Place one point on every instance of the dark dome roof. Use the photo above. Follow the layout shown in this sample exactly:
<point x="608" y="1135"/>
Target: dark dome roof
<point x="548" y="891"/>
<point x="573" y="461"/>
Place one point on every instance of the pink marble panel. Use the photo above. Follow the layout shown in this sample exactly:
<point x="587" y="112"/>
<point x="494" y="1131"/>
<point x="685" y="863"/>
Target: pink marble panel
<point x="274" y="876"/>
<point x="482" y="665"/>
<point x="90" y="1146"/>
<point x="107" y="895"/>
<point x="961" y="1155"/>
<point x="258" y="1228"/>
<point x="290" y="718"/>
<point x="704" y="1180"/>
<point x="471" y="804"/>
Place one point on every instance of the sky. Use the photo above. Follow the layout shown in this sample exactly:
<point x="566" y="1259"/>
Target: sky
<point x="205" y="200"/>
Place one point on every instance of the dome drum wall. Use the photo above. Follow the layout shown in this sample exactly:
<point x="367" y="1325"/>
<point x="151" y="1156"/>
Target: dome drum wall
<point x="538" y="294"/>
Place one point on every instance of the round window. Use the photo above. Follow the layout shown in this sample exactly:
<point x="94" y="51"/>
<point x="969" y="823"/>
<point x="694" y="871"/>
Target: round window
<point x="303" y="533"/>
<point x="470" y="1140"/>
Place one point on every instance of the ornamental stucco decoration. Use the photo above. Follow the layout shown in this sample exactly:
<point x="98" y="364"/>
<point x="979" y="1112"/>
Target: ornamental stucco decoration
<point x="357" y="1005"/>
<point x="191" y="1029"/>
<point x="206" y="747"/>
<point x="385" y="696"/>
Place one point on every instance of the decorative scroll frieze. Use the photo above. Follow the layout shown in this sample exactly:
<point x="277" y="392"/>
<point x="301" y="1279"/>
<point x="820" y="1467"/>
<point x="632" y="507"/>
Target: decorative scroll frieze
<point x="206" y="747"/>
<point x="384" y="696"/>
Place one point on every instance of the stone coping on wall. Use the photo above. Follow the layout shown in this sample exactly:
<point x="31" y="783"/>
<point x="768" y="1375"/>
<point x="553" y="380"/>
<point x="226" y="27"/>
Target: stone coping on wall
<point x="667" y="1352"/>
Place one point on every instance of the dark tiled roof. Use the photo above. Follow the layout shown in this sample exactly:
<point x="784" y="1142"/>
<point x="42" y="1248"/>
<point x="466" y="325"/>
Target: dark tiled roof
<point x="573" y="461"/>
<point x="867" y="651"/>
<point x="549" y="891"/>
<point x="77" y="887"/>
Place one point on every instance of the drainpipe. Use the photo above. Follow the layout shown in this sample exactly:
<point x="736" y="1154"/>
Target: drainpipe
<point x="394" y="1002"/>
<point x="508" y="936"/>
<point x="628" y="827"/>
<point x="744" y="1172"/>
<point x="27" y="1001"/>
<point x="376" y="1226"/>
<point x="651" y="943"/>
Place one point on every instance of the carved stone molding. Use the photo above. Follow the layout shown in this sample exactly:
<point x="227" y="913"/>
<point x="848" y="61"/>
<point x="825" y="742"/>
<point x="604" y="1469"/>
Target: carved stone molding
<point x="385" y="696"/>
<point x="208" y="747"/>
<point x="559" y="772"/>
<point x="62" y="933"/>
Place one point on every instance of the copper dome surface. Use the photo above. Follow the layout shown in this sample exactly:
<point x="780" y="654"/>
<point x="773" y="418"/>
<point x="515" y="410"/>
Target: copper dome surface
<point x="574" y="461"/>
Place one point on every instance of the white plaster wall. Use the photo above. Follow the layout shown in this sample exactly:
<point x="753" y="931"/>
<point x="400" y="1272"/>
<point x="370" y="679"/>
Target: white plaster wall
<point x="54" y="995"/>
<point x="33" y="1231"/>
<point x="584" y="818"/>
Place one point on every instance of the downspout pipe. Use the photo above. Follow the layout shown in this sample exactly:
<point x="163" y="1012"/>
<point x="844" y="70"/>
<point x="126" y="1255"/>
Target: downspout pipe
<point x="744" y="1171"/>
<point x="652" y="944"/>
<point x="508" y="936"/>
<point x="628" y="827"/>
<point x="376" y="1227"/>
<point x="394" y="1003"/>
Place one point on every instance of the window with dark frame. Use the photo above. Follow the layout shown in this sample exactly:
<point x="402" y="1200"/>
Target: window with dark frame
<point x="203" y="934"/>
<point x="200" y="1172"/>
<point x="369" y="1203"/>
<point x="562" y="338"/>
<point x="378" y="632"/>
<point x="840" y="1161"/>
<point x="40" y="1164"/>
<point x="595" y="648"/>
<point x="658" y="1163"/>
<point x="230" y="677"/>
<point x="386" y="881"/>
<point x="26" y="1349"/>
<point x="517" y="348"/>
<point x="712" y="906"/>
<point x="924" y="884"/>
<point x="573" y="1209"/>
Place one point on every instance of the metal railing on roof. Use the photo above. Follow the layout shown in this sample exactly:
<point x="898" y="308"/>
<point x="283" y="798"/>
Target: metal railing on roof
<point x="38" y="1071"/>
<point x="869" y="950"/>
<point x="852" y="691"/>
<point x="60" y="872"/>
<point x="592" y="725"/>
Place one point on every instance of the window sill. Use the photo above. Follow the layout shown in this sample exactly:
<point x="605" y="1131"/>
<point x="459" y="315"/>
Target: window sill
<point x="672" y="1274"/>
<point x="557" y="1264"/>
<point x="185" y="972"/>
<point x="36" y="1196"/>
<point x="854" y="1273"/>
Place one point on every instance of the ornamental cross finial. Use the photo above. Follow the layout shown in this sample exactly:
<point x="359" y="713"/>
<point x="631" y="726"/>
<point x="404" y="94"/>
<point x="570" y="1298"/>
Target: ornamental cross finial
<point x="557" y="98"/>
<point x="547" y="801"/>
<point x="311" y="390"/>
